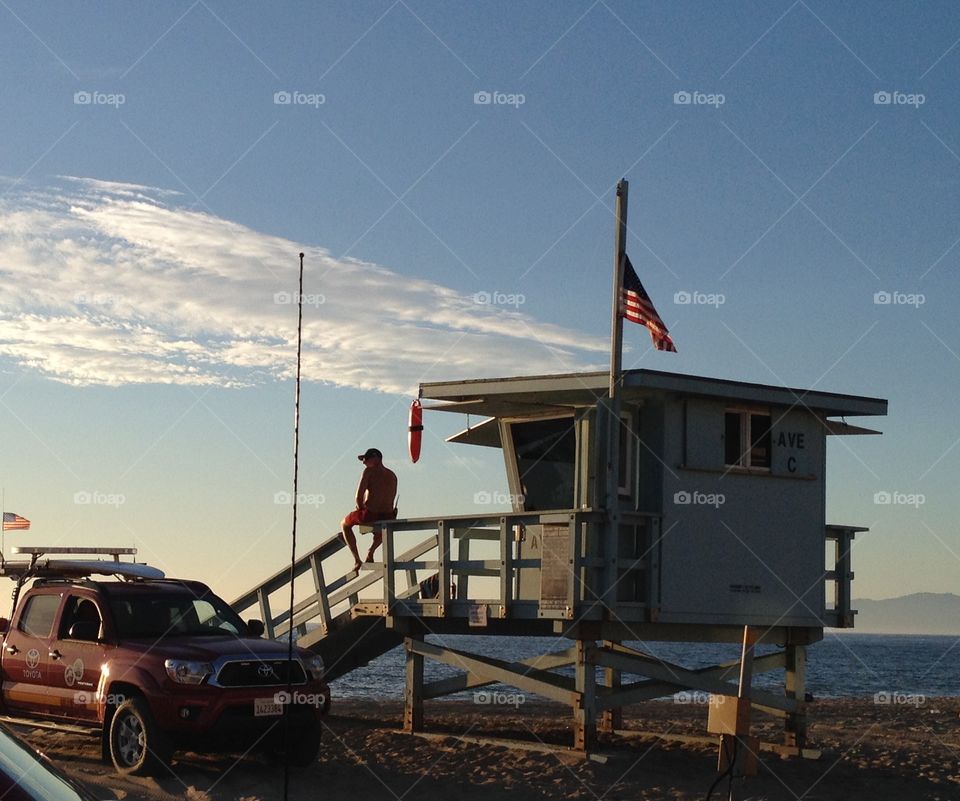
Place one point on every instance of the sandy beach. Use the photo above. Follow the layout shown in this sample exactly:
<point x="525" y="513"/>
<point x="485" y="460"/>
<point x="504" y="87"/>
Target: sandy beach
<point x="869" y="751"/>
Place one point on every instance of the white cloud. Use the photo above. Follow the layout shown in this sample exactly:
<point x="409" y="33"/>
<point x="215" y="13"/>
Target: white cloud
<point x="114" y="284"/>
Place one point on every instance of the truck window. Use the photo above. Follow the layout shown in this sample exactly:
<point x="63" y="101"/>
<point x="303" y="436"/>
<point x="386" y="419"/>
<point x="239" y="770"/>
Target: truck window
<point x="170" y="615"/>
<point x="79" y="610"/>
<point x="38" y="615"/>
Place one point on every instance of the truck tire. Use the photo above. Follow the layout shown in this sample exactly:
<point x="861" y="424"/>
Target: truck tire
<point x="137" y="746"/>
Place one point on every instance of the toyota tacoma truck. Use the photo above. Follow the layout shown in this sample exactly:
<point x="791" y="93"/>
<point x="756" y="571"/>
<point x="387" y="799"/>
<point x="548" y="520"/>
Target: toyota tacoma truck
<point x="154" y="664"/>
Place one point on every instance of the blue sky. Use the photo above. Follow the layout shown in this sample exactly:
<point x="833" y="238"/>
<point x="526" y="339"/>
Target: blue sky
<point x="156" y="189"/>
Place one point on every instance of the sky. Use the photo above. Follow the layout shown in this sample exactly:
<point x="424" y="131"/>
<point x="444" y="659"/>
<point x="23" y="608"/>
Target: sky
<point x="448" y="170"/>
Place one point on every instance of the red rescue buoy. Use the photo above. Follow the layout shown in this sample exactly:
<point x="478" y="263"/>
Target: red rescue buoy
<point x="416" y="430"/>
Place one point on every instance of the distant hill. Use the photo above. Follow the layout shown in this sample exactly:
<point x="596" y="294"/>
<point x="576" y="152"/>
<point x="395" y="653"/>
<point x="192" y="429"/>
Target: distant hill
<point x="919" y="613"/>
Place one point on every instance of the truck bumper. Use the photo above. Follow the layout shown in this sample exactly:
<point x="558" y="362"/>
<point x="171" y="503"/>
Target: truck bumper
<point x="230" y="719"/>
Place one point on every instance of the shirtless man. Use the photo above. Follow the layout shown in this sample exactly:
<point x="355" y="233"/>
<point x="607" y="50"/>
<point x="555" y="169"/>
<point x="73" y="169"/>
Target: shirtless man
<point x="375" y="496"/>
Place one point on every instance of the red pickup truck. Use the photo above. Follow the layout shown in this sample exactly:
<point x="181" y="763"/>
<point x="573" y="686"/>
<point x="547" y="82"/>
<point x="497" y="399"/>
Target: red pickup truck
<point x="156" y="665"/>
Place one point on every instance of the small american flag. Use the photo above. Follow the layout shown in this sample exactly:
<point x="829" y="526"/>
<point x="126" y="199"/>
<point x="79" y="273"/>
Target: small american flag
<point x="13" y="522"/>
<point x="638" y="308"/>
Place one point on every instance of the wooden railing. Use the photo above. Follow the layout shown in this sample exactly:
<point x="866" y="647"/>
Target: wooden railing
<point x="477" y="562"/>
<point x="840" y="573"/>
<point x="473" y="576"/>
<point x="580" y="566"/>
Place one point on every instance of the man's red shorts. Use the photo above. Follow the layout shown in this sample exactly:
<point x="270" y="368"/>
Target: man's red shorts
<point x="360" y="516"/>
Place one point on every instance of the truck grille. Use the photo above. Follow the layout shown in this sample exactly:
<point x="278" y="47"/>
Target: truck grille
<point x="257" y="673"/>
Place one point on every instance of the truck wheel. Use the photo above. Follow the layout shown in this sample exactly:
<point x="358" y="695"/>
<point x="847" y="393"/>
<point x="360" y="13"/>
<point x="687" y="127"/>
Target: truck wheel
<point x="137" y="746"/>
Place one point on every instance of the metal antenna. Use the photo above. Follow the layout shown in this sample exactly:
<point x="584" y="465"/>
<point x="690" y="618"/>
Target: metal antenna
<point x="293" y="540"/>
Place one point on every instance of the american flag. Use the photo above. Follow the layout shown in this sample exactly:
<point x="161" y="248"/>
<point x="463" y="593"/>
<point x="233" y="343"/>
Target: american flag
<point x="638" y="308"/>
<point x="13" y="522"/>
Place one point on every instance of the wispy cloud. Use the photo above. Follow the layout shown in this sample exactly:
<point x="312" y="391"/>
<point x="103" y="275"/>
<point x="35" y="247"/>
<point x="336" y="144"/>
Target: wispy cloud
<point x="112" y="284"/>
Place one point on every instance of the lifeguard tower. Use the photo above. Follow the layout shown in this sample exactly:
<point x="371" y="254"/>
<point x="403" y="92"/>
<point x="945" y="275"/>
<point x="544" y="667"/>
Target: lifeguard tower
<point x="719" y="524"/>
<point x="646" y="506"/>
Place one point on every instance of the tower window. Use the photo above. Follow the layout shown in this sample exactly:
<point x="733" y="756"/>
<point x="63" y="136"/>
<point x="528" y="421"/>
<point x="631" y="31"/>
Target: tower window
<point x="746" y="438"/>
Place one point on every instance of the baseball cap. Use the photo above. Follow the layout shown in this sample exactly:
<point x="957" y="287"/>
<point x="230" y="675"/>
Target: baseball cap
<point x="370" y="454"/>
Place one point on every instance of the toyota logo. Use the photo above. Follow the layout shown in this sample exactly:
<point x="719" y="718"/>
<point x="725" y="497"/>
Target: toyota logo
<point x="264" y="670"/>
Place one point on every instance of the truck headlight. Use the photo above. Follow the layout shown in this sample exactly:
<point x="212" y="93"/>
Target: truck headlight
<point x="314" y="666"/>
<point x="184" y="671"/>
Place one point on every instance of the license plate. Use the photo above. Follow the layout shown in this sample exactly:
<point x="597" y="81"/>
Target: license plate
<point x="266" y="707"/>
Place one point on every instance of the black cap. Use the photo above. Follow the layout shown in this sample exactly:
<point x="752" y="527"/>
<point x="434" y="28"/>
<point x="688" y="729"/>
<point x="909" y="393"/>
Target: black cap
<point x="370" y="454"/>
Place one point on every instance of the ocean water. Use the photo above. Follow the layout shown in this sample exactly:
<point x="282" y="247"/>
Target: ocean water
<point x="841" y="665"/>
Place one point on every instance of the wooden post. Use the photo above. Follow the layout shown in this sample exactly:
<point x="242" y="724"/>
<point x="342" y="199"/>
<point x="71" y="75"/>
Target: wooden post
<point x="463" y="555"/>
<point x="611" y="719"/>
<point x="844" y="576"/>
<point x="443" y="567"/>
<point x="263" y="600"/>
<point x="320" y="584"/>
<point x="506" y="567"/>
<point x="411" y="575"/>
<point x="730" y="718"/>
<point x="574" y="559"/>
<point x="746" y="662"/>
<point x="413" y="693"/>
<point x="745" y="763"/>
<point x="585" y="714"/>
<point x="795" y="680"/>
<point x="389" y="576"/>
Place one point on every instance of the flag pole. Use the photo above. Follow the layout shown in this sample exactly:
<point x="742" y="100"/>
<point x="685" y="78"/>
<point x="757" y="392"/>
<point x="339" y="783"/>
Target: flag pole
<point x="612" y="718"/>
<point x="611" y="529"/>
<point x="619" y="251"/>
<point x="616" y="347"/>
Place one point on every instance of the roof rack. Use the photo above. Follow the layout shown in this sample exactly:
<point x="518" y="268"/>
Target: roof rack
<point x="44" y="562"/>
<point x="40" y="550"/>
<point x="22" y="570"/>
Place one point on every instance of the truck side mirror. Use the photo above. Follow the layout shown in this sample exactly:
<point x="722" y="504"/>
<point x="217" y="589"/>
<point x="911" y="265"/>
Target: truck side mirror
<point x="255" y="628"/>
<point x="4" y="625"/>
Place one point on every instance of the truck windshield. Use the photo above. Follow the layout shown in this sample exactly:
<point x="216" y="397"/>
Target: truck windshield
<point x="173" y="615"/>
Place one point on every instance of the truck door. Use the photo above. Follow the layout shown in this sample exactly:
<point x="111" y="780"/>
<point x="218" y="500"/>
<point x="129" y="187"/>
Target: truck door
<point x="76" y="656"/>
<point x="26" y="653"/>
